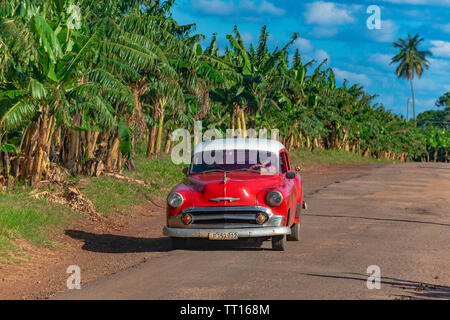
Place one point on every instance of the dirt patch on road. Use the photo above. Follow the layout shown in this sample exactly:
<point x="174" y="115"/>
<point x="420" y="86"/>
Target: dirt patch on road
<point x="100" y="249"/>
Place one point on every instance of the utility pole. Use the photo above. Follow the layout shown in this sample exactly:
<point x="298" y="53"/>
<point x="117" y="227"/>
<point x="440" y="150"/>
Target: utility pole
<point x="407" y="110"/>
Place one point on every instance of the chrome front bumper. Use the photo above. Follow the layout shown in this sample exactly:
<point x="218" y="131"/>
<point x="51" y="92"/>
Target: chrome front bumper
<point x="241" y="232"/>
<point x="242" y="218"/>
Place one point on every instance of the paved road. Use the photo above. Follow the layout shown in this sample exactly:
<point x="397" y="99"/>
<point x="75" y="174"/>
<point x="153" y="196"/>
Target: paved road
<point x="396" y="217"/>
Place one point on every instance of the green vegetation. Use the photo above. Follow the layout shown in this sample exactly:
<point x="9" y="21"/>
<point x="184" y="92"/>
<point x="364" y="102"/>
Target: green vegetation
<point x="23" y="217"/>
<point x="434" y="126"/>
<point x="161" y="171"/>
<point x="76" y="97"/>
<point x="110" y="195"/>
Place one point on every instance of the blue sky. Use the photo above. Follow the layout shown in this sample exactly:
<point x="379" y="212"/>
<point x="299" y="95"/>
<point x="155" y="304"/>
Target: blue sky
<point x="338" y="30"/>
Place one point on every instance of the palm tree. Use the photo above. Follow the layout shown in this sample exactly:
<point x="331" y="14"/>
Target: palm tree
<point x="411" y="60"/>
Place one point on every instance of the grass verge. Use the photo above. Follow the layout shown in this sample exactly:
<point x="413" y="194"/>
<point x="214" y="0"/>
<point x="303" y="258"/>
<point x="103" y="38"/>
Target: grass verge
<point x="307" y="158"/>
<point x="24" y="218"/>
<point x="111" y="196"/>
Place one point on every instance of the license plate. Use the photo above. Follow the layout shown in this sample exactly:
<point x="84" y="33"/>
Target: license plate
<point x="223" y="236"/>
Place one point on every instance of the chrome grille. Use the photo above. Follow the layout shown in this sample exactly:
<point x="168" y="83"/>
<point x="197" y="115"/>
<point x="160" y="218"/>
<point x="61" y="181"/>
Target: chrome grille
<point x="225" y="217"/>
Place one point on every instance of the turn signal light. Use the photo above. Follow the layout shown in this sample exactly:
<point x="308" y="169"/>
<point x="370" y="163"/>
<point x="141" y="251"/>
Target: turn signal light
<point x="187" y="219"/>
<point x="261" y="218"/>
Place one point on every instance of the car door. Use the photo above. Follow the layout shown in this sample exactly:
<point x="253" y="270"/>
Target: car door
<point x="285" y="167"/>
<point x="297" y="193"/>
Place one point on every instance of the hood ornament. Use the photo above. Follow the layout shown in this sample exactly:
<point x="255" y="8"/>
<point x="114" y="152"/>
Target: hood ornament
<point x="224" y="199"/>
<point x="225" y="178"/>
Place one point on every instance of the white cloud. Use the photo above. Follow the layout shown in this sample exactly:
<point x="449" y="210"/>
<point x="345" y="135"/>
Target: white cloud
<point x="352" y="77"/>
<point x="422" y="105"/>
<point x="227" y="8"/>
<point x="381" y="59"/>
<point x="322" y="55"/>
<point x="304" y="45"/>
<point x="308" y="51"/>
<point x="440" y="48"/>
<point x="328" y="14"/>
<point x="439" y="66"/>
<point x="426" y="84"/>
<point x="263" y="7"/>
<point x="217" y="7"/>
<point x="387" y="33"/>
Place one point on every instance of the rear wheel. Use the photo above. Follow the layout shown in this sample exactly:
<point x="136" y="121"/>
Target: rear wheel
<point x="178" y="243"/>
<point x="279" y="243"/>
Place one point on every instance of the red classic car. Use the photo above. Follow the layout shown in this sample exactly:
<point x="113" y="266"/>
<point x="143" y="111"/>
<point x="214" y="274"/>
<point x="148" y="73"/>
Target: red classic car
<point x="237" y="189"/>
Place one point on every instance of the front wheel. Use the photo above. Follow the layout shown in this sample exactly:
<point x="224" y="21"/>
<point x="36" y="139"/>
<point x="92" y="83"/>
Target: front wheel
<point x="295" y="232"/>
<point x="279" y="243"/>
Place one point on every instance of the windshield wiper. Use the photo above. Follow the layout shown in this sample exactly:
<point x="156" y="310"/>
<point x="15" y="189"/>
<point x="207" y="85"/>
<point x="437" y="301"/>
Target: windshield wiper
<point x="235" y="170"/>
<point x="213" y="170"/>
<point x="246" y="170"/>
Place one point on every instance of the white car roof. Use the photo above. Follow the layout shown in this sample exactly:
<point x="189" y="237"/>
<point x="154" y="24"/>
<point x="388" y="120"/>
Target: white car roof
<point x="240" y="144"/>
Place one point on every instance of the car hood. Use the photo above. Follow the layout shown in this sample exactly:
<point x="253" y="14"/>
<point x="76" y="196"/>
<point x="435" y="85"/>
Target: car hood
<point x="232" y="189"/>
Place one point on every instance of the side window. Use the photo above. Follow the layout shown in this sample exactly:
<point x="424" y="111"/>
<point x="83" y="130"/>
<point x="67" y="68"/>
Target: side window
<point x="283" y="167"/>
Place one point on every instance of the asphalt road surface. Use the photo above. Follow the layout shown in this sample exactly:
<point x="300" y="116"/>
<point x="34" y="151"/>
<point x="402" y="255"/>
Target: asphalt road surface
<point x="394" y="217"/>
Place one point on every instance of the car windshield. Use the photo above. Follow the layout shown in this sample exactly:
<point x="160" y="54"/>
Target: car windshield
<point x="235" y="161"/>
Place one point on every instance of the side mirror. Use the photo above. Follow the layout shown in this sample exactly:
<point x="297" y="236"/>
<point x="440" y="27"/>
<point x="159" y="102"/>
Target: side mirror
<point x="290" y="175"/>
<point x="185" y="171"/>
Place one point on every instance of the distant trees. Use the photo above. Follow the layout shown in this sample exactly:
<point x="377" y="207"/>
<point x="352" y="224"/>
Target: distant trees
<point x="444" y="102"/>
<point x="435" y="127"/>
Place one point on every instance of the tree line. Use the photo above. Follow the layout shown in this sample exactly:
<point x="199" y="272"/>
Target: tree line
<point x="81" y="91"/>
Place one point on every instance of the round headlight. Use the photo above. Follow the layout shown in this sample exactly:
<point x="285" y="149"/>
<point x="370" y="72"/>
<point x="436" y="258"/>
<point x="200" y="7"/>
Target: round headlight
<point x="274" y="198"/>
<point x="175" y="200"/>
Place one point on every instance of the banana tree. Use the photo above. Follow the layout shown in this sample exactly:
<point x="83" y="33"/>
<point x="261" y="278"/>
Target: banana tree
<point x="46" y="57"/>
<point x="260" y="75"/>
